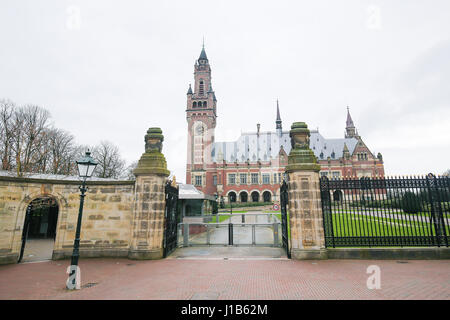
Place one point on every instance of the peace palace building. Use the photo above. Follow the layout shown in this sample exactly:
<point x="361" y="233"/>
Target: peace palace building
<point x="251" y="168"/>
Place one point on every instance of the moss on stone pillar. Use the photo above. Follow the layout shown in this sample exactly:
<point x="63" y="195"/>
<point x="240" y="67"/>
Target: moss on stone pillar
<point x="301" y="156"/>
<point x="305" y="214"/>
<point x="152" y="160"/>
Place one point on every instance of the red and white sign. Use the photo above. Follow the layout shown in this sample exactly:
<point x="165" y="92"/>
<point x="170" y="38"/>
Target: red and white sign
<point x="276" y="207"/>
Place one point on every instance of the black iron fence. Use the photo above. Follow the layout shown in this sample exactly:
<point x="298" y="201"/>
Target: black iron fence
<point x="377" y="212"/>
<point x="284" y="199"/>
<point x="172" y="217"/>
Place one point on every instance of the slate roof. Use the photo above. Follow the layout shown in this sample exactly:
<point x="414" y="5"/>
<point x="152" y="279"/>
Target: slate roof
<point x="203" y="55"/>
<point x="268" y="144"/>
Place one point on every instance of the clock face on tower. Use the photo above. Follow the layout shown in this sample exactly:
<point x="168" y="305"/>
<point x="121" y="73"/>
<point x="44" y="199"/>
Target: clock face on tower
<point x="199" y="130"/>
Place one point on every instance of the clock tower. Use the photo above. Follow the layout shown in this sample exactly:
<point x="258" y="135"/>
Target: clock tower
<point x="201" y="118"/>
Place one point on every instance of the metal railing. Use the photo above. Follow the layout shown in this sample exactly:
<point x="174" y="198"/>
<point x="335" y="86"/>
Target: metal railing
<point x="232" y="233"/>
<point x="376" y="212"/>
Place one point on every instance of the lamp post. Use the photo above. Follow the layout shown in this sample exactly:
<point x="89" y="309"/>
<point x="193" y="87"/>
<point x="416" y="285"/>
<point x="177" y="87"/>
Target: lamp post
<point x="86" y="166"/>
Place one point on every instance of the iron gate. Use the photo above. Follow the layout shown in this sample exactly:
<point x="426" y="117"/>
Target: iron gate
<point x="377" y="212"/>
<point x="284" y="219"/>
<point x="171" y="219"/>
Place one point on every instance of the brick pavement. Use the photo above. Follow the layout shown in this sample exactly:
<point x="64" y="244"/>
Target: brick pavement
<point x="227" y="279"/>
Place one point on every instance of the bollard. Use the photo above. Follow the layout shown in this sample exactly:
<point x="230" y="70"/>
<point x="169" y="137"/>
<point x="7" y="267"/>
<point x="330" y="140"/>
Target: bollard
<point x="186" y="235"/>
<point x="275" y="234"/>
<point x="230" y="234"/>
<point x="243" y="218"/>
<point x="208" y="235"/>
<point x="253" y="234"/>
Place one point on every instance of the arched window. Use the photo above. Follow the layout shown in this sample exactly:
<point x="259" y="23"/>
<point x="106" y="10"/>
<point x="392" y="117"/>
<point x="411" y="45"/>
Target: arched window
<point x="205" y="104"/>
<point x="267" y="196"/>
<point x="255" y="196"/>
<point x="201" y="87"/>
<point x="337" y="195"/>
<point x="194" y="105"/>
<point x="244" y="196"/>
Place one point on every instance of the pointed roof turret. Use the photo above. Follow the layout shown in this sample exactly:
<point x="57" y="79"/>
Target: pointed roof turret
<point x="190" y="89"/>
<point x="350" y="129"/>
<point x="203" y="53"/>
<point x="349" y="119"/>
<point x="278" y="121"/>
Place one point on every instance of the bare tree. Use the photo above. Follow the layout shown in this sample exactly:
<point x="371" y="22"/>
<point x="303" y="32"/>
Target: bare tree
<point x="30" y="124"/>
<point x="128" y="174"/>
<point x="60" y="148"/>
<point x="7" y="108"/>
<point x="29" y="144"/>
<point x="110" y="163"/>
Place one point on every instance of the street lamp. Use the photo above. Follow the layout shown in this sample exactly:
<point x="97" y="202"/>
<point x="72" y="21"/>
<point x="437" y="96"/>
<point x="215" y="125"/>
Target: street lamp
<point x="86" y="166"/>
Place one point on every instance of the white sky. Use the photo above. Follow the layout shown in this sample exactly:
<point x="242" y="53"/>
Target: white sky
<point x="121" y="67"/>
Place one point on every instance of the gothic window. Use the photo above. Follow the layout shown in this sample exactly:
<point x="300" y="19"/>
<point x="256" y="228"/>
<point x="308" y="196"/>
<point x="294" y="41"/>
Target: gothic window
<point x="201" y="88"/>
<point x="321" y="155"/>
<point x="194" y="105"/>
<point x="333" y="155"/>
<point x="205" y="104"/>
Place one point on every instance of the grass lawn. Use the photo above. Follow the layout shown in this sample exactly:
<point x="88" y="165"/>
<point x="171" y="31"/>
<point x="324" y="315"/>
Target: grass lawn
<point x="221" y="219"/>
<point x="237" y="211"/>
<point x="223" y="216"/>
<point x="354" y="225"/>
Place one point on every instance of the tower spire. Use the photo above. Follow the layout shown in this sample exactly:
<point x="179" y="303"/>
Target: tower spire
<point x="278" y="121"/>
<point x="203" y="53"/>
<point x="350" y="126"/>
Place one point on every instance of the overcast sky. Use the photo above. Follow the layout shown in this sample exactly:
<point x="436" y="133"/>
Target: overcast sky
<point x="109" y="70"/>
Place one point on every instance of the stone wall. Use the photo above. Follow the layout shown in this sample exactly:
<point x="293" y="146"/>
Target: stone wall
<point x="107" y="216"/>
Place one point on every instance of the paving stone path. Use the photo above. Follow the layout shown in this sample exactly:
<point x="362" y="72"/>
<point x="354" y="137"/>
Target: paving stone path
<point x="227" y="279"/>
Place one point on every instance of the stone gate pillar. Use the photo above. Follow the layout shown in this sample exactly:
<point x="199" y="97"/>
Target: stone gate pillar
<point x="305" y="210"/>
<point x="148" y="216"/>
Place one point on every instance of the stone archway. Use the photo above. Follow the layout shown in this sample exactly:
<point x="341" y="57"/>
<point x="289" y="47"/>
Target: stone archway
<point x="337" y="195"/>
<point x="267" y="196"/>
<point x="255" y="196"/>
<point x="232" y="196"/>
<point x="243" y="196"/>
<point x="39" y="229"/>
